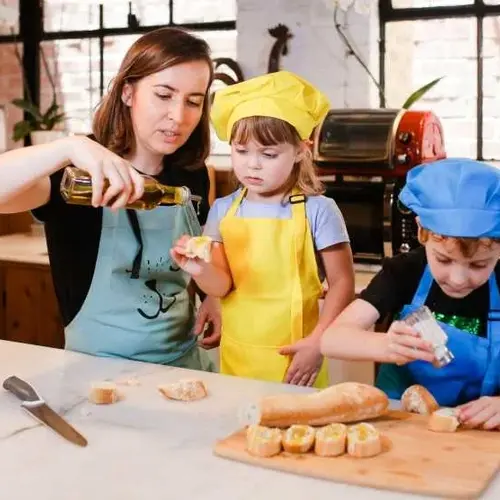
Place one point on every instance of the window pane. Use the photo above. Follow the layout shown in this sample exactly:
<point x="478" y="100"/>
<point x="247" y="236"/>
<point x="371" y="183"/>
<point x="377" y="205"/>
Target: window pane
<point x="492" y="2"/>
<point x="151" y="12"/>
<point x="11" y="87"/>
<point x="491" y="88"/>
<point x="69" y="15"/>
<point x="115" y="48"/>
<point x="420" y="51"/>
<point x="9" y="17"/>
<point x="188" y="11"/>
<point x="402" y="4"/>
<point x="74" y="65"/>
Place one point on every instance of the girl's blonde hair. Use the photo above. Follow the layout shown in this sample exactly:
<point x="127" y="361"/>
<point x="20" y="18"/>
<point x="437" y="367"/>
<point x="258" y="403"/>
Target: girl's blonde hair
<point x="269" y="131"/>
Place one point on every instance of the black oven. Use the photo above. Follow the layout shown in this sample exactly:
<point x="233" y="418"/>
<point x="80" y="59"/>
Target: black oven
<point x="377" y="224"/>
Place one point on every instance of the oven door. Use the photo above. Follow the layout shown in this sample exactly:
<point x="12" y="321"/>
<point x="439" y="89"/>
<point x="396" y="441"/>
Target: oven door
<point x="367" y="208"/>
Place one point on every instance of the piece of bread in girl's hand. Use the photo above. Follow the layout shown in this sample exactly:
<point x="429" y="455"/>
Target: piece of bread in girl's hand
<point x="103" y="393"/>
<point x="331" y="440"/>
<point x="345" y="402"/>
<point x="298" y="438"/>
<point x="263" y="441"/>
<point x="417" y="399"/>
<point x="184" y="390"/>
<point x="443" y="420"/>
<point x="199" y="247"/>
<point x="363" y="440"/>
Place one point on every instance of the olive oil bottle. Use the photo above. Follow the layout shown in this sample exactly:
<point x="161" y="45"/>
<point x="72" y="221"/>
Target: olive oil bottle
<point x="76" y="189"/>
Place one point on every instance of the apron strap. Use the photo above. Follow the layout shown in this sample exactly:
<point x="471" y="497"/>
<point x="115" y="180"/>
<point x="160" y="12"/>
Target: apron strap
<point x="423" y="288"/>
<point x="136" y="229"/>
<point x="491" y="382"/>
<point x="236" y="203"/>
<point x="298" y="205"/>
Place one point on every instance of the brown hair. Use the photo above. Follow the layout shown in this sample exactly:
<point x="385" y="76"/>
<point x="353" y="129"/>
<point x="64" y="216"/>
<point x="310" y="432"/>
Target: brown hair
<point x="153" y="52"/>
<point x="467" y="246"/>
<point x="270" y="131"/>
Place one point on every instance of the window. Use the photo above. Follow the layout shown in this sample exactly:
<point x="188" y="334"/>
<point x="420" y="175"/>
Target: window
<point x="458" y="40"/>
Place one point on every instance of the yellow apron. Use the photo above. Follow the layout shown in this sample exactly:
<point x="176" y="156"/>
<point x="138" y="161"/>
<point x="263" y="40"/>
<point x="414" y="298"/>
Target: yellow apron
<point x="276" y="291"/>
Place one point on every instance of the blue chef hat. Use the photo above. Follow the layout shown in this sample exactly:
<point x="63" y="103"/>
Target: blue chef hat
<point x="455" y="197"/>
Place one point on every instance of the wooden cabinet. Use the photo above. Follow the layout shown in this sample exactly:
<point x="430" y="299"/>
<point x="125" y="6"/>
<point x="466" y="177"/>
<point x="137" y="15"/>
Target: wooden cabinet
<point x="29" y="311"/>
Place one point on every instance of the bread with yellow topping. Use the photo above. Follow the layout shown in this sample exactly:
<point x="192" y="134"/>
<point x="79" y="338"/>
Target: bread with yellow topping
<point x="417" y="399"/>
<point x="199" y="247"/>
<point x="363" y="440"/>
<point x="184" y="390"/>
<point x="331" y="440"/>
<point x="263" y="441"/>
<point x="298" y="438"/>
<point x="103" y="393"/>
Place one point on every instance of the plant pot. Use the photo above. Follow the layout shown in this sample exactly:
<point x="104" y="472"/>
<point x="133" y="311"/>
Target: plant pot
<point x="44" y="136"/>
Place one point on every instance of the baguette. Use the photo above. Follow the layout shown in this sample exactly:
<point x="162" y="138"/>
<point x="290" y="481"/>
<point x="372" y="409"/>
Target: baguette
<point x="363" y="440"/>
<point x="298" y="438"/>
<point x="443" y="420"/>
<point x="331" y="440"/>
<point x="103" y="393"/>
<point x="263" y="441"/>
<point x="199" y="247"/>
<point x="184" y="390"/>
<point x="417" y="399"/>
<point x="346" y="402"/>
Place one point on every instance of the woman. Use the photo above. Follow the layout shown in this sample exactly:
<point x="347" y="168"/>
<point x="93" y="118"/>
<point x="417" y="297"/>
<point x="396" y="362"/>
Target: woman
<point x="118" y="292"/>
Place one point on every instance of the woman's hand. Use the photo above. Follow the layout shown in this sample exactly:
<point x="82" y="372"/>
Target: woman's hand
<point x="125" y="183"/>
<point x="403" y="345"/>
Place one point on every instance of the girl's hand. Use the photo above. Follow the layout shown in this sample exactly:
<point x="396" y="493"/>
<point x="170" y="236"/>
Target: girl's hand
<point x="483" y="413"/>
<point x="193" y="266"/>
<point x="403" y="345"/>
<point x="125" y="183"/>
<point x="306" y="362"/>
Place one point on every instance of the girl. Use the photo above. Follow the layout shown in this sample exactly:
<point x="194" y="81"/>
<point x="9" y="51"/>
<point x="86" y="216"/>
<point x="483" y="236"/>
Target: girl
<point x="118" y="292"/>
<point x="270" y="235"/>
<point x="456" y="274"/>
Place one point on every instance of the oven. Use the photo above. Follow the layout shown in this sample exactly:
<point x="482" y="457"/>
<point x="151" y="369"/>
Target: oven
<point x="362" y="157"/>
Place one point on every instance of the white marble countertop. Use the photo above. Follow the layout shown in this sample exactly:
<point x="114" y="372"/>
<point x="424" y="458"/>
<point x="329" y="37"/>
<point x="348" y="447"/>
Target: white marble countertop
<point x="142" y="447"/>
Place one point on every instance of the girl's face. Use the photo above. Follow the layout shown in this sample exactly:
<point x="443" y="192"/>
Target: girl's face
<point x="264" y="170"/>
<point x="167" y="106"/>
<point x="458" y="275"/>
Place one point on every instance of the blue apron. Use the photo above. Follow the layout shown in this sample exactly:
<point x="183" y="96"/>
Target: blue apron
<point x="473" y="373"/>
<point x="138" y="305"/>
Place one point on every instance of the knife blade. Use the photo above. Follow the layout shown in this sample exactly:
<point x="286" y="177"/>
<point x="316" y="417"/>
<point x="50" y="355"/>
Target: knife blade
<point x="36" y="406"/>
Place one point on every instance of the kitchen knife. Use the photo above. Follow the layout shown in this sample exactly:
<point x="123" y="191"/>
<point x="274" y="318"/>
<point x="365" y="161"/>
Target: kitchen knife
<point x="37" y="407"/>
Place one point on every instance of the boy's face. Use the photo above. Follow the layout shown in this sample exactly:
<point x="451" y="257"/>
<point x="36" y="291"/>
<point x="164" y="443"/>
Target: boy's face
<point x="456" y="274"/>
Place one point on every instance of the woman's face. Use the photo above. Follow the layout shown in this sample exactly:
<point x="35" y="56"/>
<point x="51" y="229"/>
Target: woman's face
<point x="167" y="106"/>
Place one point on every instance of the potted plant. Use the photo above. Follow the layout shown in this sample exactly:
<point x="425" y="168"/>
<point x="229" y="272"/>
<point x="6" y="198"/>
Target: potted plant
<point x="40" y="126"/>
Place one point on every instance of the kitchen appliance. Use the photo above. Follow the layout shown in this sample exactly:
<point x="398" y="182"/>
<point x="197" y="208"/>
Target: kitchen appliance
<point x="36" y="407"/>
<point x="363" y="156"/>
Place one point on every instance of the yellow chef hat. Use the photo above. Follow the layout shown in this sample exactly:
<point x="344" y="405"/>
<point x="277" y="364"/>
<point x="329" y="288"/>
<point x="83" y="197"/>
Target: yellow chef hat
<point x="282" y="95"/>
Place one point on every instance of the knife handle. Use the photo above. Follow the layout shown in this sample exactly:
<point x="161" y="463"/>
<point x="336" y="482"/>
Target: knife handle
<point x="21" y="389"/>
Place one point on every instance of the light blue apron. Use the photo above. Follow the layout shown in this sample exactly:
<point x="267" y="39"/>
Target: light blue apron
<point x="138" y="306"/>
<point x="473" y="373"/>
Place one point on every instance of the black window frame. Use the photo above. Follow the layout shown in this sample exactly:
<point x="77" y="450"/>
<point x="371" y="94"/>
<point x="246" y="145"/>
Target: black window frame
<point x="478" y="9"/>
<point x="32" y="34"/>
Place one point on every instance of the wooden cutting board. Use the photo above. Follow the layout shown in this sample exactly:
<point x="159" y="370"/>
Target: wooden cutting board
<point x="416" y="460"/>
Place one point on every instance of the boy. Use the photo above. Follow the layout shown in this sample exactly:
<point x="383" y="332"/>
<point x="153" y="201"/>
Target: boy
<point x="456" y="274"/>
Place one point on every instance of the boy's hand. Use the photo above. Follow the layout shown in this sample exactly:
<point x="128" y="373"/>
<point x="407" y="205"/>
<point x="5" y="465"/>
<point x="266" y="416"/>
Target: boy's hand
<point x="483" y="413"/>
<point x="306" y="362"/>
<point x="194" y="266"/>
<point x="403" y="345"/>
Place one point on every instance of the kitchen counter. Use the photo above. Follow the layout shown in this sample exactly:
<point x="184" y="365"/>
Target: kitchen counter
<point x="142" y="447"/>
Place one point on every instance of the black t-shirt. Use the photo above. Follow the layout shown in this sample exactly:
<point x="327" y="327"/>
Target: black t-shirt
<point x="395" y="285"/>
<point x="73" y="234"/>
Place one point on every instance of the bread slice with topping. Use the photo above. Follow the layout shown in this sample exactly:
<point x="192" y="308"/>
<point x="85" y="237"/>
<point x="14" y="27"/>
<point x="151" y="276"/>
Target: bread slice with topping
<point x="331" y="440"/>
<point x="298" y="438"/>
<point x="363" y="440"/>
<point x="443" y="420"/>
<point x="200" y="247"/>
<point x="263" y="441"/>
<point x="184" y="390"/>
<point x="104" y="393"/>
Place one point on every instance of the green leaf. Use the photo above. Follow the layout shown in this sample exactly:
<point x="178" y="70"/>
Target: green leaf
<point x="54" y="120"/>
<point x="51" y="111"/>
<point x="29" y="107"/>
<point x="418" y="94"/>
<point x="21" y="130"/>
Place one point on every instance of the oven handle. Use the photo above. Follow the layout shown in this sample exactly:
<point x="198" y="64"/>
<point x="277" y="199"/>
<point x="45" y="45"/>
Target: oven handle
<point x="387" y="219"/>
